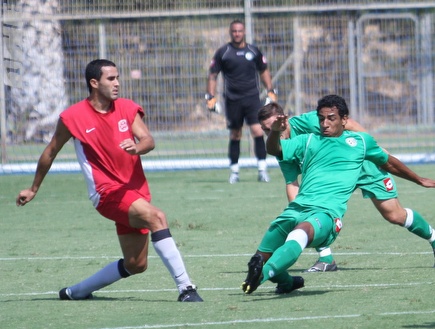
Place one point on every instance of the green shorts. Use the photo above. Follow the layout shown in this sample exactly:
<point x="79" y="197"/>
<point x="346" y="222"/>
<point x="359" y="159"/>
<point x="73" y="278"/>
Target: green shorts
<point x="326" y="228"/>
<point x="376" y="183"/>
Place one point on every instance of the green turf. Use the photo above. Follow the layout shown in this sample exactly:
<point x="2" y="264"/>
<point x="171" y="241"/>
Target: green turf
<point x="214" y="144"/>
<point x="385" y="277"/>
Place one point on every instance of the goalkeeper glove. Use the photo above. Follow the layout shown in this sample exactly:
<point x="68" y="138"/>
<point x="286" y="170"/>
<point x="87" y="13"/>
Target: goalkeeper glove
<point x="211" y="102"/>
<point x="271" y="96"/>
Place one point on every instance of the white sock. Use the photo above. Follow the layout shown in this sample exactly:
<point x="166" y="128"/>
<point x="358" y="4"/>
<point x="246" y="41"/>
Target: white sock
<point x="325" y="252"/>
<point x="300" y="236"/>
<point x="432" y="237"/>
<point x="171" y="257"/>
<point x="409" y="218"/>
<point x="101" y="279"/>
<point x="262" y="165"/>
<point x="234" y="167"/>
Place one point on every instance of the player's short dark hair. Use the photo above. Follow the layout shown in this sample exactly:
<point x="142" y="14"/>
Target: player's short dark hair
<point x="93" y="70"/>
<point x="236" y="21"/>
<point x="266" y="111"/>
<point x="333" y="101"/>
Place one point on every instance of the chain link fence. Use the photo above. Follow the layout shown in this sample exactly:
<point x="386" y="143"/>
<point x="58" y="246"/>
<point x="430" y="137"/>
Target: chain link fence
<point x="376" y="54"/>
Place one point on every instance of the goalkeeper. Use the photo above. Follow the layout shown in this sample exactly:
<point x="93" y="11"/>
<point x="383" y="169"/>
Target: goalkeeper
<point x="241" y="64"/>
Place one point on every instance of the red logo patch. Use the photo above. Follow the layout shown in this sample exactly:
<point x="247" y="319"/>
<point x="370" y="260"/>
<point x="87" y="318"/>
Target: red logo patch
<point x="389" y="186"/>
<point x="338" y="225"/>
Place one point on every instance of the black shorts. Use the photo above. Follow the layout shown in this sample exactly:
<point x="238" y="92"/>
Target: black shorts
<point x="243" y="110"/>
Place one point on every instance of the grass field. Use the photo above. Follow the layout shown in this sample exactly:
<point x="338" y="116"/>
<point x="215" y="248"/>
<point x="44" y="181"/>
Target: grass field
<point x="214" y="144"/>
<point x="385" y="277"/>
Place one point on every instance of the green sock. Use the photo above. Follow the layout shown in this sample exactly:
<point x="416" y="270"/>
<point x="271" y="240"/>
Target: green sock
<point x="326" y="259"/>
<point x="419" y="226"/>
<point x="282" y="278"/>
<point x="284" y="257"/>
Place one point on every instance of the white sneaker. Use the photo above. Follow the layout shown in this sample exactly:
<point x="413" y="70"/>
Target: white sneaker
<point x="263" y="176"/>
<point x="234" y="178"/>
<point x="323" y="267"/>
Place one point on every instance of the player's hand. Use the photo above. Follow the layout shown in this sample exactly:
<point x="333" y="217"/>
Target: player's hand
<point x="280" y="123"/>
<point x="272" y="97"/>
<point x="426" y="182"/>
<point x="24" y="197"/>
<point x="211" y="104"/>
<point x="129" y="146"/>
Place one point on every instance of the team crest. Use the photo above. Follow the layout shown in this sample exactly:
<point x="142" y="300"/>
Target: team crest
<point x="351" y="141"/>
<point x="122" y="125"/>
<point x="249" y="56"/>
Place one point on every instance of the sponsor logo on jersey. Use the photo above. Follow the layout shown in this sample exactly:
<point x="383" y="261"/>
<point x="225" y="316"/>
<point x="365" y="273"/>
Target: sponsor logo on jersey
<point x="351" y="141"/>
<point x="249" y="56"/>
<point x="389" y="186"/>
<point x="89" y="130"/>
<point x="122" y="125"/>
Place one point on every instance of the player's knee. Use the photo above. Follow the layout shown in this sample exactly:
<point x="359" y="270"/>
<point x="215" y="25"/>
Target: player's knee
<point x="396" y="218"/>
<point x="136" y="266"/>
<point x="153" y="219"/>
<point x="160" y="219"/>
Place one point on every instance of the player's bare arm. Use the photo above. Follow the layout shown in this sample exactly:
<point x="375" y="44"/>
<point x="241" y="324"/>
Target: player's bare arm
<point x="398" y="168"/>
<point x="145" y="141"/>
<point x="210" y="95"/>
<point x="266" y="78"/>
<point x="211" y="83"/>
<point x="353" y="125"/>
<point x="60" y="137"/>
<point x="292" y="190"/>
<point x="279" y="124"/>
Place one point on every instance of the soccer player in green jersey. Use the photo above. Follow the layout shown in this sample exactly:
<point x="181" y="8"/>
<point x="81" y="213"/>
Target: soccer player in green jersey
<point x="375" y="183"/>
<point x="330" y="164"/>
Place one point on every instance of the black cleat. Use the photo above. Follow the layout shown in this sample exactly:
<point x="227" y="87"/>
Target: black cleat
<point x="255" y="268"/>
<point x="298" y="282"/>
<point x="65" y="294"/>
<point x="323" y="267"/>
<point x="189" y="295"/>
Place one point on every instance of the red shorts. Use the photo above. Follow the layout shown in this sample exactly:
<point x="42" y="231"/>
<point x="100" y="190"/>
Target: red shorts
<point x="114" y="205"/>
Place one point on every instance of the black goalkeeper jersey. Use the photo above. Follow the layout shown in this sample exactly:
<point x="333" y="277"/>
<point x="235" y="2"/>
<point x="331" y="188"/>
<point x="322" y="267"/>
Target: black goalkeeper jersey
<point x="240" y="67"/>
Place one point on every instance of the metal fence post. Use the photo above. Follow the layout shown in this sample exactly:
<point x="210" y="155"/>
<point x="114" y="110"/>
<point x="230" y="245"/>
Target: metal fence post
<point x="2" y="93"/>
<point x="248" y="20"/>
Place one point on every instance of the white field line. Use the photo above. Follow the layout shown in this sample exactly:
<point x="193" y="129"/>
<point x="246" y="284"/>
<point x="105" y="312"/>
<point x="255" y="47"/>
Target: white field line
<point x="268" y="320"/>
<point x="36" y="258"/>
<point x="311" y="287"/>
<point x="240" y="321"/>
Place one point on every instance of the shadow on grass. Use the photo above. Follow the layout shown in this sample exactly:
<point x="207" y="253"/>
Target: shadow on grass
<point x="345" y="269"/>
<point x="94" y="299"/>
<point x="423" y="325"/>
<point x="270" y="295"/>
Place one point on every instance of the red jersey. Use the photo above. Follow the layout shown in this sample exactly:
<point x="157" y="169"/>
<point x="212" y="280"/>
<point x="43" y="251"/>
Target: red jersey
<point x="105" y="165"/>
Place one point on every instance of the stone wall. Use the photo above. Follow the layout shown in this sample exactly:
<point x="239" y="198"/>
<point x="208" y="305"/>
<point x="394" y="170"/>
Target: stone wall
<point x="41" y="96"/>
